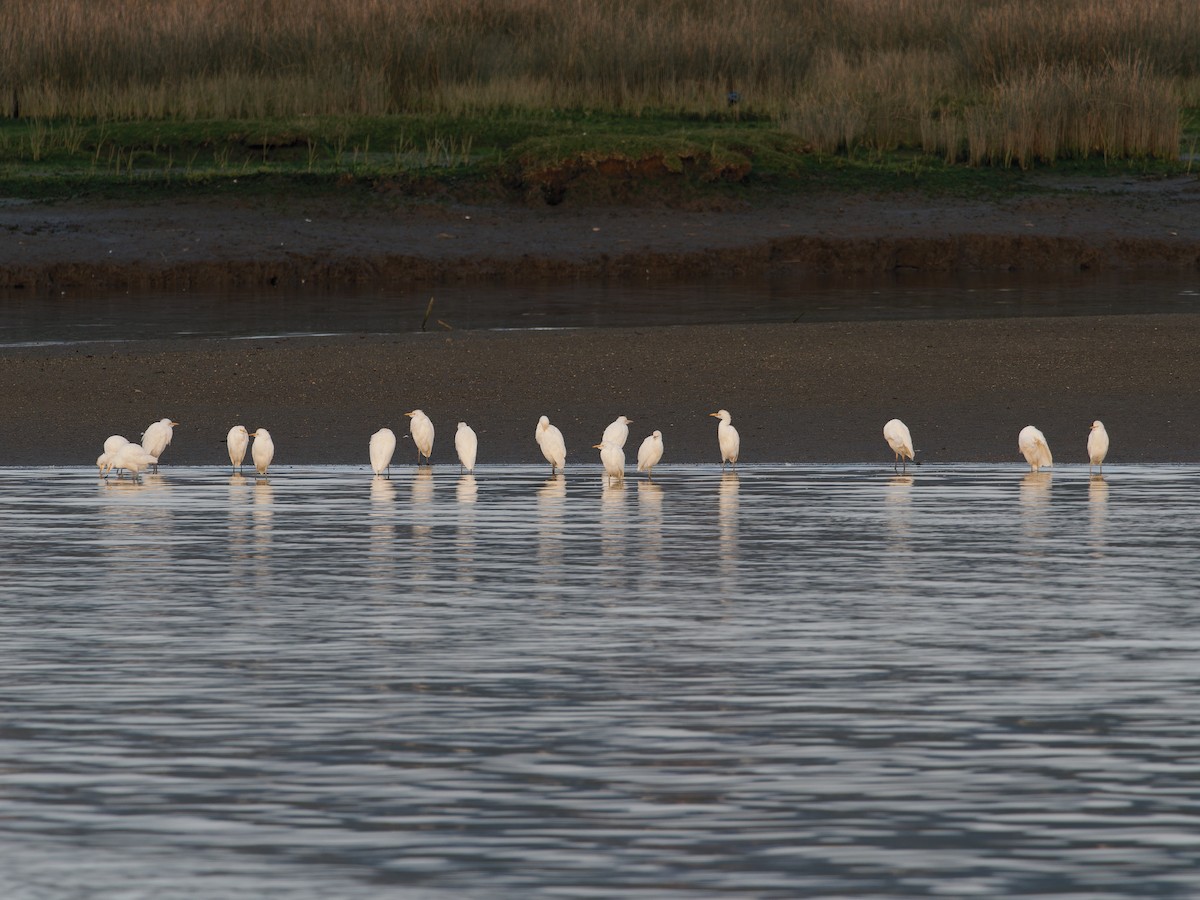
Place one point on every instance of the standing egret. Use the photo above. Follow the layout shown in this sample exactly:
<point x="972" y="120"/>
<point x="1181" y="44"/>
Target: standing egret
<point x="382" y="446"/>
<point x="550" y="439"/>
<point x="1033" y="446"/>
<point x="727" y="437"/>
<point x="112" y="444"/>
<point x="237" y="441"/>
<point x="896" y="434"/>
<point x="617" y="432"/>
<point x="263" y="450"/>
<point x="467" y="445"/>
<point x="132" y="458"/>
<point x="421" y="430"/>
<point x="613" y="458"/>
<point x="1097" y="445"/>
<point x="650" y="453"/>
<point x="157" y="437"/>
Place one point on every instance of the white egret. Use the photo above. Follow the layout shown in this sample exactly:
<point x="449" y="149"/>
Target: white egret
<point x="1033" y="446"/>
<point x="263" y="450"/>
<point x="467" y="445"/>
<point x="421" y="430"/>
<point x="896" y="434"/>
<point x="382" y="446"/>
<point x="727" y="437"/>
<point x="133" y="458"/>
<point x="1097" y="445"/>
<point x="617" y="432"/>
<point x="550" y="439"/>
<point x="112" y="444"/>
<point x="157" y="437"/>
<point x="650" y="453"/>
<point x="613" y="458"/>
<point x="237" y="441"/>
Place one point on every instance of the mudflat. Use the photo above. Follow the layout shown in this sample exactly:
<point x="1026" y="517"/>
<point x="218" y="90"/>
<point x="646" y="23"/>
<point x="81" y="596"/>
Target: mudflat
<point x="815" y="392"/>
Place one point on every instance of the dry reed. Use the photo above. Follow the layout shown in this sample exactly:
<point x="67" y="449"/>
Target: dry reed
<point x="977" y="80"/>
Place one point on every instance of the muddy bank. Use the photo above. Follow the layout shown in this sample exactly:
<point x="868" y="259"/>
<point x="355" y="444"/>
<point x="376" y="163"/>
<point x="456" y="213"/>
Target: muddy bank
<point x="223" y="242"/>
<point x="802" y="393"/>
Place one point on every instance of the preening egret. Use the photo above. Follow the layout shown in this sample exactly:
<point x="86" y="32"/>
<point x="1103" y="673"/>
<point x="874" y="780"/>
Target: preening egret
<point x="112" y="444"/>
<point x="613" y="458"/>
<point x="618" y="432"/>
<point x="467" y="445"/>
<point x="263" y="450"/>
<point x="896" y="434"/>
<point x="550" y="439"/>
<point x="157" y="437"/>
<point x="650" y="453"/>
<point x="421" y="430"/>
<point x="1097" y="445"/>
<point x="237" y="441"/>
<point x="382" y="446"/>
<point x="1033" y="446"/>
<point x="133" y="458"/>
<point x="727" y="437"/>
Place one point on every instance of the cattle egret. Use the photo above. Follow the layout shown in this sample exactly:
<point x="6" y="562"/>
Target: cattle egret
<point x="650" y="453"/>
<point x="550" y="439"/>
<point x="133" y="458"/>
<point x="1033" y="446"/>
<point x="896" y="434"/>
<point x="1097" y="445"/>
<point x="157" y="437"/>
<point x="727" y="437"/>
<point x="382" y="446"/>
<point x="613" y="458"/>
<point x="113" y="443"/>
<point x="263" y="450"/>
<point x="467" y="445"/>
<point x="237" y="441"/>
<point x="421" y="430"/>
<point x="618" y="432"/>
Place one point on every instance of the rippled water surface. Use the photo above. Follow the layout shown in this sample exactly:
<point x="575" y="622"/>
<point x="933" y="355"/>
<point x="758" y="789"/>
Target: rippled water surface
<point x="795" y="681"/>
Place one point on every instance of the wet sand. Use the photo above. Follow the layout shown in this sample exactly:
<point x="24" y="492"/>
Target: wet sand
<point x="816" y="392"/>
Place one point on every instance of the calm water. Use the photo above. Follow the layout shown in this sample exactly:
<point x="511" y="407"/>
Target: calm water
<point x="799" y="681"/>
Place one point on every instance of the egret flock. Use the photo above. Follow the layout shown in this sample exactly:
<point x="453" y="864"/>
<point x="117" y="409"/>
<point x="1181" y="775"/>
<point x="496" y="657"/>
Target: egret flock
<point x="122" y="455"/>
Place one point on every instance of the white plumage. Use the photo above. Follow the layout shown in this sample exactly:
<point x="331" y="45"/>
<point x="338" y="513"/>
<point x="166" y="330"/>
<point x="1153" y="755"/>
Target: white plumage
<point x="466" y="444"/>
<point x="1097" y="445"/>
<point x="236" y="441"/>
<point x="727" y="438"/>
<point x="897" y="435"/>
<point x="381" y="447"/>
<point x="1033" y="446"/>
<point x="133" y="458"/>
<point x="550" y="439"/>
<point x="263" y="450"/>
<point x="617" y="432"/>
<point x="613" y="458"/>
<point x="650" y="453"/>
<point x="421" y="429"/>
<point x="157" y="437"/>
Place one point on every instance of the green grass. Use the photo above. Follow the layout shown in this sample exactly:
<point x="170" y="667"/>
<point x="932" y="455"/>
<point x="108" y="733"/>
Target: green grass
<point x="514" y="155"/>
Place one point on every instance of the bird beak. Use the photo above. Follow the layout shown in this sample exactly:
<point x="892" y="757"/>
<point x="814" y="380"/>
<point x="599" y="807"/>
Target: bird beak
<point x="252" y="434"/>
<point x="410" y="414"/>
<point x="598" y="446"/>
<point x="715" y="415"/>
<point x="174" y="424"/>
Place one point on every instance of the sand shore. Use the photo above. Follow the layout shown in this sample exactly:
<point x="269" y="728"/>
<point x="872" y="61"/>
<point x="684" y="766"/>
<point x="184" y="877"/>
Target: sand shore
<point x="817" y="392"/>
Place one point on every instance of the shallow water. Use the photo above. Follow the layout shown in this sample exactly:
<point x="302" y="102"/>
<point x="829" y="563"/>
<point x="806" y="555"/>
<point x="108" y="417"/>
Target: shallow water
<point x="39" y="320"/>
<point x="792" y="681"/>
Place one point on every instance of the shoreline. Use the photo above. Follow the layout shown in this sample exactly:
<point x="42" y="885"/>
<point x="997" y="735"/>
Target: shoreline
<point x="804" y="393"/>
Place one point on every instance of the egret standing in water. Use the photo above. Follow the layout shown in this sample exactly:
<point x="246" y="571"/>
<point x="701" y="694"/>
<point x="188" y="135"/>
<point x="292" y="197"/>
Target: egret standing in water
<point x="237" y="441"/>
<point x="112" y="444"/>
<point x="157" y="437"/>
<point x="617" y="432"/>
<point x="421" y="429"/>
<point x="132" y="458"/>
<point x="1097" y="445"/>
<point x="550" y="439"/>
<point x="1033" y="446"/>
<point x="649" y="454"/>
<point x="263" y="450"/>
<point x="613" y="458"/>
<point x="382" y="446"/>
<point x="727" y="437"/>
<point x="896" y="434"/>
<point x="467" y="445"/>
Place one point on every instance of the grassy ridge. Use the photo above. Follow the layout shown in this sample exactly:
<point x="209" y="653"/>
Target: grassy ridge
<point x="406" y="84"/>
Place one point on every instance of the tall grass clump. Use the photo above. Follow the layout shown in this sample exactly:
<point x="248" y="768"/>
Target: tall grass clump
<point x="987" y="81"/>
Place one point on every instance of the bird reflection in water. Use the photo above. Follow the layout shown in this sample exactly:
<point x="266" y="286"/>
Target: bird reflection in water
<point x="421" y="498"/>
<point x="1098" y="510"/>
<point x="262" y="511"/>
<point x="898" y="498"/>
<point x="612" y="534"/>
<point x="1035" y="503"/>
<point x="649" y="534"/>
<point x="383" y="529"/>
<point x="551" y="501"/>
<point x="464" y="537"/>
<point x="727" y="522"/>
